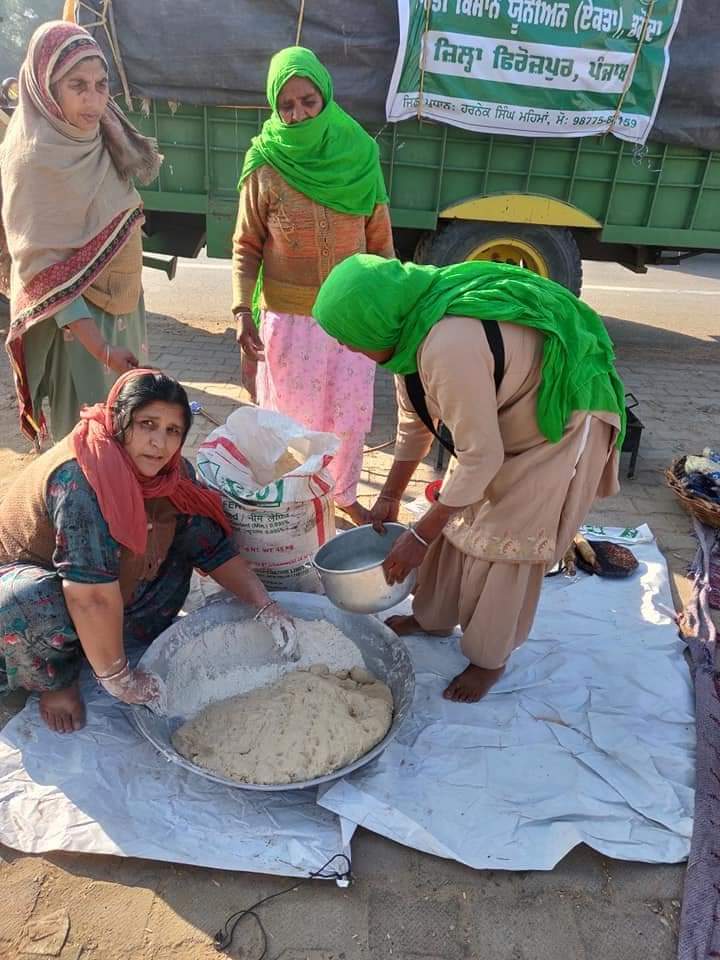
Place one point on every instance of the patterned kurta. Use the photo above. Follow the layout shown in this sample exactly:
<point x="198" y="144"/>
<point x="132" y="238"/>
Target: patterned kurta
<point x="39" y="648"/>
<point x="306" y="375"/>
<point x="297" y="241"/>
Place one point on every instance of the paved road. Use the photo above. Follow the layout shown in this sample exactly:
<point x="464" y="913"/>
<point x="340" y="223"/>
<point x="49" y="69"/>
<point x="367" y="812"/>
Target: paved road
<point x="405" y="905"/>
<point x="675" y="299"/>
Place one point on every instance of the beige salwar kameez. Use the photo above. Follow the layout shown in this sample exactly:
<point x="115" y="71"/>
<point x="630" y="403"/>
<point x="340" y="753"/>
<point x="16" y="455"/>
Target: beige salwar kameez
<point x="522" y="498"/>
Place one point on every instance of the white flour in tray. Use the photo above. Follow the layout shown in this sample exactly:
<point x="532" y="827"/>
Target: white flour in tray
<point x="210" y="670"/>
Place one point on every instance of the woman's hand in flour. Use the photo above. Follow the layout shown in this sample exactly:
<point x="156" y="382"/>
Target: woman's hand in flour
<point x="136" y="686"/>
<point x="282" y="627"/>
<point x="248" y="336"/>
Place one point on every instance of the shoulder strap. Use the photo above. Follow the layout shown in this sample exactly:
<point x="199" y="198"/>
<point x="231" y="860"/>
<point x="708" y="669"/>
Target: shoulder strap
<point x="415" y="391"/>
<point x="497" y="348"/>
<point x="416" y="394"/>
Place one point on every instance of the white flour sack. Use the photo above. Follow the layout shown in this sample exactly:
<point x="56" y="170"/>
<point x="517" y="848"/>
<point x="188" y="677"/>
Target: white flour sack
<point x="272" y="474"/>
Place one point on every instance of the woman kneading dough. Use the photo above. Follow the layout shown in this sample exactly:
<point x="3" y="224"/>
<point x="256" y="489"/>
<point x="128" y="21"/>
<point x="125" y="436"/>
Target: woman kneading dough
<point x="99" y="537"/>
<point x="522" y="374"/>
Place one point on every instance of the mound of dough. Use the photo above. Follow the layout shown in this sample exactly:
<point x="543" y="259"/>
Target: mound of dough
<point x="305" y="725"/>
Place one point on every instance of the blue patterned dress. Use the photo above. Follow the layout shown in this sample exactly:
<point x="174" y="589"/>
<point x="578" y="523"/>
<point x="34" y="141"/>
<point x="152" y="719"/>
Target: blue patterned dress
<point x="39" y="648"/>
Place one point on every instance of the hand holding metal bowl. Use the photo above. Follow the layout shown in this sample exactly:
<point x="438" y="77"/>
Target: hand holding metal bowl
<point x="384" y="510"/>
<point x="351" y="568"/>
<point x="407" y="554"/>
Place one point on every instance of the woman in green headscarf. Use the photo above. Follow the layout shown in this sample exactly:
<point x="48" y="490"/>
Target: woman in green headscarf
<point x="522" y="374"/>
<point x="312" y="194"/>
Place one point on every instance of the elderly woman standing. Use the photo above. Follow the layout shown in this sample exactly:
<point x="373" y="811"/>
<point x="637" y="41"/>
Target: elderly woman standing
<point x="71" y="249"/>
<point x="312" y="194"/>
<point x="522" y="373"/>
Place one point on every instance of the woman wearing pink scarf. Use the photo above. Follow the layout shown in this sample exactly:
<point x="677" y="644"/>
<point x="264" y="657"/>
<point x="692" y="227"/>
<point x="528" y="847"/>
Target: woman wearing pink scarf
<point x="98" y="540"/>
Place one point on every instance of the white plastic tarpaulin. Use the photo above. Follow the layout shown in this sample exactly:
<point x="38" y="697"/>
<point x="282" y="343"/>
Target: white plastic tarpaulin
<point x="589" y="737"/>
<point x="107" y="790"/>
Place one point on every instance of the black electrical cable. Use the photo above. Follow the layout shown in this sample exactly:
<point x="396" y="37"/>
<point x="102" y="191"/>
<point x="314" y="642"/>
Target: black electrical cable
<point x="223" y="938"/>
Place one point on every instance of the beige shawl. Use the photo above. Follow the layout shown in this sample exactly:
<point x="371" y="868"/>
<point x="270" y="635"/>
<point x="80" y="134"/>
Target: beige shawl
<point x="67" y="200"/>
<point x="61" y="187"/>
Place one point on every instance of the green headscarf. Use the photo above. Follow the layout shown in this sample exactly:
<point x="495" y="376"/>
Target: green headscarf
<point x="329" y="158"/>
<point x="373" y="304"/>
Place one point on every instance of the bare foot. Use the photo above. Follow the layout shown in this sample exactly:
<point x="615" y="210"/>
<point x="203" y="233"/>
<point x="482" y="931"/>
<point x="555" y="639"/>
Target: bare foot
<point x="472" y="684"/>
<point x="63" y="710"/>
<point x="357" y="513"/>
<point x="403" y="626"/>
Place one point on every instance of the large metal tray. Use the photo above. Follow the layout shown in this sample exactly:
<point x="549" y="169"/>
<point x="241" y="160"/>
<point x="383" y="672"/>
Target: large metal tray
<point x="384" y="654"/>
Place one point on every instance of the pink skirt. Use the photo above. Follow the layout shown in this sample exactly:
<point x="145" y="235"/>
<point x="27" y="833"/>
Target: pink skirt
<point x="321" y="384"/>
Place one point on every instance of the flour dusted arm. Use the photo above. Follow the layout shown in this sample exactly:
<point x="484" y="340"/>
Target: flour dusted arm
<point x="236" y="576"/>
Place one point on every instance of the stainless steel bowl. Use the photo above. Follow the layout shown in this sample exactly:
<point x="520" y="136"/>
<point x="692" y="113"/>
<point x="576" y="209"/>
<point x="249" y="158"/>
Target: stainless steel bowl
<point x="350" y="567"/>
<point x="193" y="652"/>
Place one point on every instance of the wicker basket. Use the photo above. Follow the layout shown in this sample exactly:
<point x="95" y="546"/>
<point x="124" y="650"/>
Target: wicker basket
<point x="704" y="510"/>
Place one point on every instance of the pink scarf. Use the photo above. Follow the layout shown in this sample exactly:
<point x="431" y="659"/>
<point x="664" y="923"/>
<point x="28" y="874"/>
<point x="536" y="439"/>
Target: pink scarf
<point x="121" y="489"/>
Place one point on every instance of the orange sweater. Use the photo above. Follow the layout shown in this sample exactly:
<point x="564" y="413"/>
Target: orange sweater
<point x="298" y="242"/>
